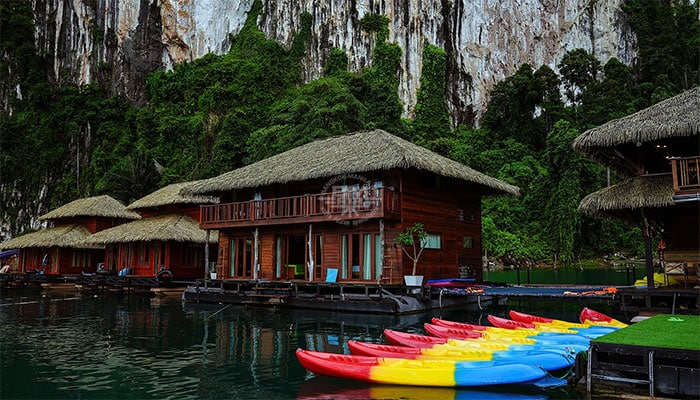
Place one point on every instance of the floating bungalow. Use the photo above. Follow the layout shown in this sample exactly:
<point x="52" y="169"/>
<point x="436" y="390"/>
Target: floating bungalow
<point x="167" y="238"/>
<point x="656" y="152"/>
<point x="60" y="249"/>
<point x="330" y="211"/>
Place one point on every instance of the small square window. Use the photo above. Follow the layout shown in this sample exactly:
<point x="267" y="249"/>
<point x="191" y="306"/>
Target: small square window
<point x="467" y="242"/>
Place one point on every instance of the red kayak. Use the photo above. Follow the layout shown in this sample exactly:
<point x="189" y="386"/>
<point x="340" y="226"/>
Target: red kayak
<point x="414" y="353"/>
<point x="383" y="350"/>
<point x="598" y="318"/>
<point x="458" y="325"/>
<point x="451" y="333"/>
<point x="528" y="318"/>
<point x="509" y="323"/>
<point x="537" y="320"/>
<point x="412" y="340"/>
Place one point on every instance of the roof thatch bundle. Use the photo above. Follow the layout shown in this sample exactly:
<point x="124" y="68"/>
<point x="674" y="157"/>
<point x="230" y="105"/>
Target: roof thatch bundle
<point x="678" y="116"/>
<point x="98" y="206"/>
<point x="171" y="194"/>
<point x="72" y="236"/>
<point x="171" y="227"/>
<point x="645" y="191"/>
<point x="358" y="152"/>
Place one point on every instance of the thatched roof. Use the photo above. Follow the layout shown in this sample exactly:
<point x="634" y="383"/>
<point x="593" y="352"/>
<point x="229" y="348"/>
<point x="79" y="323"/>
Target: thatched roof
<point x="171" y="227"/>
<point x="72" y="236"/>
<point x="358" y="152"/>
<point x="676" y="117"/>
<point x="646" y="191"/>
<point x="98" y="206"/>
<point x="171" y="194"/>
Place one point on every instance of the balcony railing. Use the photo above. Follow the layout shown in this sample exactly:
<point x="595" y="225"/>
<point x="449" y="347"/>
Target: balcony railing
<point x="686" y="174"/>
<point x="340" y="206"/>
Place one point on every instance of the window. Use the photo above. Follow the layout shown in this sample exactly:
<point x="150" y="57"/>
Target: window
<point x="143" y="254"/>
<point x="80" y="259"/>
<point x="467" y="242"/>
<point x="433" y="241"/>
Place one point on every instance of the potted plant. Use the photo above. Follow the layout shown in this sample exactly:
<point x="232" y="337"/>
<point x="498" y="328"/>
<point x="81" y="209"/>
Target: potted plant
<point x="414" y="237"/>
<point x="212" y="270"/>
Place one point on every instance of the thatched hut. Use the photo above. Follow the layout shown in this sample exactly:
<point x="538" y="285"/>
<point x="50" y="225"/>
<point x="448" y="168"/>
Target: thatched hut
<point x="61" y="248"/>
<point x="168" y="236"/>
<point x="338" y="204"/>
<point x="657" y="151"/>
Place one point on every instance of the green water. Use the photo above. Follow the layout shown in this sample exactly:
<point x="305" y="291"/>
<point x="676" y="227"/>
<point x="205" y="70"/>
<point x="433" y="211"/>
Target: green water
<point x="624" y="276"/>
<point x="60" y="346"/>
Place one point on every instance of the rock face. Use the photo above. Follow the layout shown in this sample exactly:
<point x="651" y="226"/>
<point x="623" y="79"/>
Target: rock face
<point x="485" y="40"/>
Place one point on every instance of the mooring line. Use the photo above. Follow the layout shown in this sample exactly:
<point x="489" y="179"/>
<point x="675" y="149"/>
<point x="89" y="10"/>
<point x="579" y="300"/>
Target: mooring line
<point x="21" y="303"/>
<point x="217" y="311"/>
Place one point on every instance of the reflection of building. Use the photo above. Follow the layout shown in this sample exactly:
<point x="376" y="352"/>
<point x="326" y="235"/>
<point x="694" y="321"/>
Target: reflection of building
<point x="338" y="204"/>
<point x="167" y="237"/>
<point x="61" y="248"/>
<point x="657" y="152"/>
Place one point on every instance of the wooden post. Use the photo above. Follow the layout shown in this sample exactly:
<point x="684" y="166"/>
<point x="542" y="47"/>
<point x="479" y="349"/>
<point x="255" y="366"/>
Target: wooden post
<point x="647" y="251"/>
<point x="206" y="255"/>
<point x="311" y="254"/>
<point x="256" y="238"/>
<point x="381" y="244"/>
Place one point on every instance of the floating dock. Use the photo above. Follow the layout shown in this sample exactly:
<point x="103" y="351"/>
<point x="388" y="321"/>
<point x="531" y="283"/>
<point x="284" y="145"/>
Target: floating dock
<point x="342" y="297"/>
<point x="672" y="300"/>
<point x="657" y="356"/>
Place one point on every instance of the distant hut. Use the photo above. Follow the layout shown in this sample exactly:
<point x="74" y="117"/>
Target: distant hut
<point x="657" y="152"/>
<point x="61" y="248"/>
<point x="167" y="237"/>
<point x="332" y="209"/>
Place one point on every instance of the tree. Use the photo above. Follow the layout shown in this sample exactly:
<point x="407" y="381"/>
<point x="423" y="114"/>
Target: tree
<point x="414" y="237"/>
<point x="511" y="110"/>
<point x="579" y="70"/>
<point x="432" y="118"/>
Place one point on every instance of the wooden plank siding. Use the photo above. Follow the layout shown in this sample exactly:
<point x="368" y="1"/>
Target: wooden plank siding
<point x="434" y="202"/>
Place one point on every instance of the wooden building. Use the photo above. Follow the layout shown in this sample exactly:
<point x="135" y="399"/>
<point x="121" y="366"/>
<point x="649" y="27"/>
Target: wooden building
<point x="656" y="152"/>
<point x="60" y="248"/>
<point x="331" y="210"/>
<point x="167" y="237"/>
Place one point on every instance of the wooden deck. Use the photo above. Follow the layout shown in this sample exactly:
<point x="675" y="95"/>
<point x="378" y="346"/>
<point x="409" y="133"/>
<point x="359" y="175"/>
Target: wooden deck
<point x="672" y="300"/>
<point x="334" y="206"/>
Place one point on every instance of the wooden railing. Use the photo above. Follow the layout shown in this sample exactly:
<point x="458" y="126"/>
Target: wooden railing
<point x="686" y="174"/>
<point x="337" y="206"/>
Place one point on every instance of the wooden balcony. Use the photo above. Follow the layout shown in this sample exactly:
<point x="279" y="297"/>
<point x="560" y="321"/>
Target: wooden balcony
<point x="347" y="207"/>
<point x="686" y="174"/>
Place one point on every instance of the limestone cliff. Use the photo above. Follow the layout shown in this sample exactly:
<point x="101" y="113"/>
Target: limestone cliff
<point x="485" y="40"/>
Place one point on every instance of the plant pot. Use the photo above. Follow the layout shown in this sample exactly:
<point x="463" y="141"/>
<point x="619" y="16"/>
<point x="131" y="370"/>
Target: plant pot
<point x="212" y="275"/>
<point x="413" y="280"/>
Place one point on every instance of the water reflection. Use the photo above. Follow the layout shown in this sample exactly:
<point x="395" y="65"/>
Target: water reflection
<point x="320" y="387"/>
<point x="135" y="348"/>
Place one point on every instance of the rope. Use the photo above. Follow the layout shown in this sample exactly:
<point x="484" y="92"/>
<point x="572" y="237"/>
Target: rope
<point x="216" y="312"/>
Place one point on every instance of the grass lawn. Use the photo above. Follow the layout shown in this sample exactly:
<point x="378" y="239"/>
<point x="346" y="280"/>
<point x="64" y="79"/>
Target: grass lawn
<point x="663" y="330"/>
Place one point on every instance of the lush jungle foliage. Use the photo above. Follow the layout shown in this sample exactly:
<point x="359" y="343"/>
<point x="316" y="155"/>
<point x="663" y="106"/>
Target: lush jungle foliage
<point x="61" y="142"/>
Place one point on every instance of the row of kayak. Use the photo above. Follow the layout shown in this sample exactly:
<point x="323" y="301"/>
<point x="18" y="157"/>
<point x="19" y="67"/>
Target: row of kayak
<point x="523" y="349"/>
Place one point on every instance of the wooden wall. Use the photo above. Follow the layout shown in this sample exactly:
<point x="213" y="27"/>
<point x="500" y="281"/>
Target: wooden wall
<point x="434" y="202"/>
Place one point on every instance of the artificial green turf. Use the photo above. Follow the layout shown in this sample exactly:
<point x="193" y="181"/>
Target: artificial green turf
<point x="663" y="330"/>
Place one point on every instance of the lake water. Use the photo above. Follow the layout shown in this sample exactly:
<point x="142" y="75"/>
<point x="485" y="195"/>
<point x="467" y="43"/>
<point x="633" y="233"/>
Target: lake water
<point x="60" y="346"/>
<point x="620" y="276"/>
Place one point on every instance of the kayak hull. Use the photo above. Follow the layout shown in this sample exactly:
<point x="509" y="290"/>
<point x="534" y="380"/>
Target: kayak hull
<point x="440" y="373"/>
